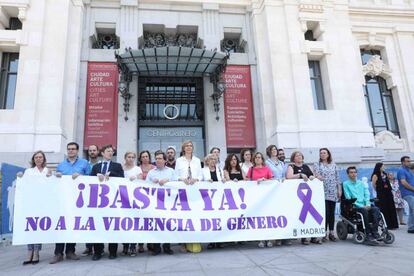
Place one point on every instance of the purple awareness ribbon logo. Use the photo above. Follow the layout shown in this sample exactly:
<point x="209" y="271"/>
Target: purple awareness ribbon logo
<point x="307" y="205"/>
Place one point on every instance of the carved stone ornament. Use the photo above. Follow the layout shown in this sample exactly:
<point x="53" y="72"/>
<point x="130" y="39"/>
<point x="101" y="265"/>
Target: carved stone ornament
<point x="106" y="41"/>
<point x="152" y="40"/>
<point x="374" y="67"/>
<point x="389" y="141"/>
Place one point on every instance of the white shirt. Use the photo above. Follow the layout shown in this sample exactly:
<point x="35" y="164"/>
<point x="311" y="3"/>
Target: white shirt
<point x="134" y="171"/>
<point x="245" y="168"/>
<point x="35" y="171"/>
<point x="207" y="174"/>
<point x="182" y="164"/>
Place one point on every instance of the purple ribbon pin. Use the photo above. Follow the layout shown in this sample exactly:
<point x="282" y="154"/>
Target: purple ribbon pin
<point x="307" y="205"/>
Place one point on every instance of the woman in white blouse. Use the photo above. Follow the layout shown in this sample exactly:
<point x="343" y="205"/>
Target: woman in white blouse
<point x="188" y="170"/>
<point x="38" y="168"/>
<point x="246" y="160"/>
<point x="188" y="167"/>
<point x="212" y="172"/>
<point x="131" y="172"/>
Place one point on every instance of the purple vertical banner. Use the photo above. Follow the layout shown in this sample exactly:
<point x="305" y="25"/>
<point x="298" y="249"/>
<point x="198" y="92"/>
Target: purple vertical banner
<point x="8" y="188"/>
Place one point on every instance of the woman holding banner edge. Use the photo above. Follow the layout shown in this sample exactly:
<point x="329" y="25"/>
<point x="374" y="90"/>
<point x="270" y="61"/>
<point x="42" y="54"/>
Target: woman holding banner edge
<point x="38" y="168"/>
<point x="188" y="170"/>
<point x="299" y="170"/>
<point x="327" y="171"/>
<point x="260" y="172"/>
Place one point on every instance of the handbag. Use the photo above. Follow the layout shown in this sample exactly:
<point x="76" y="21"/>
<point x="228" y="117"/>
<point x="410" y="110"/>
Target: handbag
<point x="193" y="247"/>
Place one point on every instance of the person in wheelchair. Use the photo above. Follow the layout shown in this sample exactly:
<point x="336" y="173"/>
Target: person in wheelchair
<point x="355" y="189"/>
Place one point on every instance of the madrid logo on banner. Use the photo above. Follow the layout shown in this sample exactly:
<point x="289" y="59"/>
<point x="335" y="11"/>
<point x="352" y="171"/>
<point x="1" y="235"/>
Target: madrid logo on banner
<point x="53" y="210"/>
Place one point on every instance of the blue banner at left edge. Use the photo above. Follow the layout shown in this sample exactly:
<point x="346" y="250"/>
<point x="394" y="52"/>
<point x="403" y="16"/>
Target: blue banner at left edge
<point x="8" y="185"/>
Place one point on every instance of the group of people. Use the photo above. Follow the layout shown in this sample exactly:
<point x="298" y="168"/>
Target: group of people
<point x="250" y="166"/>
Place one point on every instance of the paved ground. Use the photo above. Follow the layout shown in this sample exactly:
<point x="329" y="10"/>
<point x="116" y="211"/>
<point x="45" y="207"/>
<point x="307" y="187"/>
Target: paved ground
<point x="339" y="258"/>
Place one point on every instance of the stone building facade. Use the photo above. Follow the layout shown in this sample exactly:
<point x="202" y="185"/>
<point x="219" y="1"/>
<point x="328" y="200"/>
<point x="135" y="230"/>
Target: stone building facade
<point x="336" y="74"/>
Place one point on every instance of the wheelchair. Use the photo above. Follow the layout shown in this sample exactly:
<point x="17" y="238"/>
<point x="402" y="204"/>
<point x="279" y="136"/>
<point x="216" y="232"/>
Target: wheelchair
<point x="352" y="222"/>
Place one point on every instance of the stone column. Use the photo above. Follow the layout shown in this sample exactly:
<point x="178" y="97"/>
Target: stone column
<point x="128" y="24"/>
<point x="212" y="31"/>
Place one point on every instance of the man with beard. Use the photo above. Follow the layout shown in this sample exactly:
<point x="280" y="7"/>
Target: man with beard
<point x="170" y="157"/>
<point x="281" y="155"/>
<point x="93" y="153"/>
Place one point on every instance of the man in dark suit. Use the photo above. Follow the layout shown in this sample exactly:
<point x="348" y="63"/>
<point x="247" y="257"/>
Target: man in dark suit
<point x="104" y="170"/>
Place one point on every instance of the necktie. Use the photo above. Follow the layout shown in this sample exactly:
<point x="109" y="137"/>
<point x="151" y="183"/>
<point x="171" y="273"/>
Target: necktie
<point x="189" y="172"/>
<point x="105" y="167"/>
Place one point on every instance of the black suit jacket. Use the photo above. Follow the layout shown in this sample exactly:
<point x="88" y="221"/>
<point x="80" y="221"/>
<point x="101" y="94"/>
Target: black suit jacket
<point x="115" y="169"/>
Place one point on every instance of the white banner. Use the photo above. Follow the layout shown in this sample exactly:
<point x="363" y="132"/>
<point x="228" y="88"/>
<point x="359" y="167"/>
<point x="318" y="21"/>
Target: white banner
<point x="52" y="210"/>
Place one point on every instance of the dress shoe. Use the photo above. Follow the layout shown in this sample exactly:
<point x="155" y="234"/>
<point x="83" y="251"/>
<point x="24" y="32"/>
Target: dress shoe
<point x="56" y="259"/>
<point x="168" y="251"/>
<point x="112" y="256"/>
<point x="96" y="257"/>
<point x="316" y="241"/>
<point x="332" y="237"/>
<point x="72" y="256"/>
<point x="305" y="241"/>
<point x="411" y="231"/>
<point x="27" y="262"/>
<point x="155" y="252"/>
<point x="87" y="252"/>
<point x="34" y="262"/>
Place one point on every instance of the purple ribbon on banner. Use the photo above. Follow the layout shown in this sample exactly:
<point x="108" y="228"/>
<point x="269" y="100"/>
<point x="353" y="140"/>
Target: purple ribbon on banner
<point x="307" y="205"/>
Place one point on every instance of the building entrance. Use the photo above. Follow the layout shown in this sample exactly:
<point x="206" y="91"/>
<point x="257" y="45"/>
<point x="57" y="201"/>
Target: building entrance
<point x="170" y="111"/>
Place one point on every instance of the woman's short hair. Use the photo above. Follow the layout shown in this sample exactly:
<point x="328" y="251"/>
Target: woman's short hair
<point x="329" y="155"/>
<point x="208" y="158"/>
<point x="128" y="153"/>
<point x="269" y="150"/>
<point x="292" y="156"/>
<point x="32" y="162"/>
<point x="254" y="159"/>
<point x="185" y="143"/>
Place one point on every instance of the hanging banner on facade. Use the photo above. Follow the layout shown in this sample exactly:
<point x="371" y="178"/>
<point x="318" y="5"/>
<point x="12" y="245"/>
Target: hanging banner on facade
<point x="51" y="210"/>
<point x="8" y="188"/>
<point x="101" y="117"/>
<point x="238" y="108"/>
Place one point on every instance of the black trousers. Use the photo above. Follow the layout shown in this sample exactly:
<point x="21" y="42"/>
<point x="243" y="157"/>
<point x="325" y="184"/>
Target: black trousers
<point x="99" y="247"/>
<point x="129" y="246"/>
<point x="157" y="247"/>
<point x="330" y="214"/>
<point x="373" y="214"/>
<point x="60" y="247"/>
<point x="89" y="246"/>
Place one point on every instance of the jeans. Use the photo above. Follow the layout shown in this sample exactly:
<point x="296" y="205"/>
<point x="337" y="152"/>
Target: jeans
<point x="410" y="201"/>
<point x="372" y="214"/>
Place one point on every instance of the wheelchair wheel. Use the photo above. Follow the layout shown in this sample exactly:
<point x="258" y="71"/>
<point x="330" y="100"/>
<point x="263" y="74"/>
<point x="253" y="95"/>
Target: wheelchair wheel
<point x="341" y="230"/>
<point x="389" y="238"/>
<point x="359" y="237"/>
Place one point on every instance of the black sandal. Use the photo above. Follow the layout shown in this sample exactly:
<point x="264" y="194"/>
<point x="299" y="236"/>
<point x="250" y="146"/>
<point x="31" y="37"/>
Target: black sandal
<point x="27" y="262"/>
<point x="332" y="237"/>
<point x="211" y="246"/>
